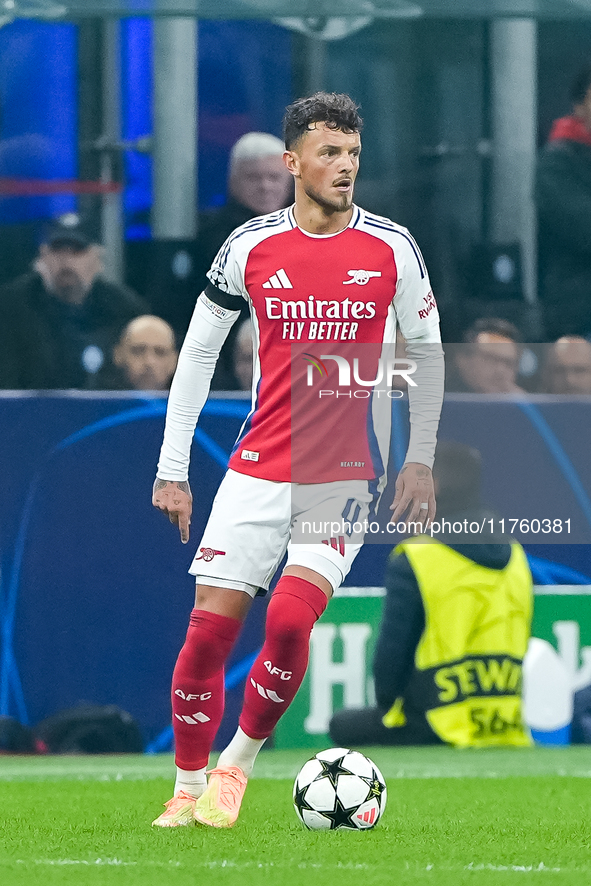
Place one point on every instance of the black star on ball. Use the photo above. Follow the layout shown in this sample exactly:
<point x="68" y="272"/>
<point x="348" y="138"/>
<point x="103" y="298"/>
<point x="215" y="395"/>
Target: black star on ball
<point x="341" y="817"/>
<point x="300" y="798"/>
<point x="333" y="770"/>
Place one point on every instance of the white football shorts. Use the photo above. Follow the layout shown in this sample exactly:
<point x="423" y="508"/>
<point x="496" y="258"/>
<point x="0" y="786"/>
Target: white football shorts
<point x="253" y="522"/>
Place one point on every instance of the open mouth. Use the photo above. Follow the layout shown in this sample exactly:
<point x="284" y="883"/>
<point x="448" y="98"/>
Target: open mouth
<point x="343" y="185"/>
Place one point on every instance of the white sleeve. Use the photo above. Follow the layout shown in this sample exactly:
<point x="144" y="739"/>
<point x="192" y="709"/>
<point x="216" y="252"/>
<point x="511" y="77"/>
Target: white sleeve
<point x="207" y="332"/>
<point x="418" y="319"/>
<point x="425" y="401"/>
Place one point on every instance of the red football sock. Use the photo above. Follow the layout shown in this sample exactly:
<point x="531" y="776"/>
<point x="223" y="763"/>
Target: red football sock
<point x="198" y="686"/>
<point x="279" y="669"/>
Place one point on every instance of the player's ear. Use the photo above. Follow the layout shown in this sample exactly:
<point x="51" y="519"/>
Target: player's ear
<point x="292" y="161"/>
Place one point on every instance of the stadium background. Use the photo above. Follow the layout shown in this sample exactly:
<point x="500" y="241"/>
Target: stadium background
<point x="75" y="575"/>
<point x="456" y="96"/>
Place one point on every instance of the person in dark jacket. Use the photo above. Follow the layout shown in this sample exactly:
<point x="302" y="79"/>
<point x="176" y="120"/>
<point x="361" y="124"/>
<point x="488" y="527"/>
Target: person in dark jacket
<point x="58" y="323"/>
<point x="563" y="197"/>
<point x="454" y="628"/>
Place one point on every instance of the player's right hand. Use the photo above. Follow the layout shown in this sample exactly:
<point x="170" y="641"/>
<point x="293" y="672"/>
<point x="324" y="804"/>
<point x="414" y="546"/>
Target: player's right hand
<point x="173" y="497"/>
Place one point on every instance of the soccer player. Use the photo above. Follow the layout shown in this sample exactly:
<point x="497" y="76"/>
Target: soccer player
<point x="322" y="270"/>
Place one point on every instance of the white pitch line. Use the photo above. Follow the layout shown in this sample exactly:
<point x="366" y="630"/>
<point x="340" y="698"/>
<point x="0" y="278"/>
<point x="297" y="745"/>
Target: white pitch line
<point x="518" y="868"/>
<point x="219" y="863"/>
<point x="476" y="867"/>
<point x="109" y="862"/>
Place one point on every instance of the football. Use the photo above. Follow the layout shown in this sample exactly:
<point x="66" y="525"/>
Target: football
<point x="339" y="789"/>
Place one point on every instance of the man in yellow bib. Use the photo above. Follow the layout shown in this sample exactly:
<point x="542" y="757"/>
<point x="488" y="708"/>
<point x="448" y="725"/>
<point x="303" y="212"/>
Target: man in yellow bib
<point x="454" y="629"/>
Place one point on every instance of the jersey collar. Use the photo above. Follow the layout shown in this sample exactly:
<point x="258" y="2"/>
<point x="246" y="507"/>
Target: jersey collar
<point x="355" y="217"/>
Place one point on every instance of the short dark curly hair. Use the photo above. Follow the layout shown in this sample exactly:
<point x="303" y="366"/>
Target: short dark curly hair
<point x="337" y="110"/>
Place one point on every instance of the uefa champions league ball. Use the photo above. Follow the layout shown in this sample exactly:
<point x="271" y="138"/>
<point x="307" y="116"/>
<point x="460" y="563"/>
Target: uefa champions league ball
<point x="339" y="789"/>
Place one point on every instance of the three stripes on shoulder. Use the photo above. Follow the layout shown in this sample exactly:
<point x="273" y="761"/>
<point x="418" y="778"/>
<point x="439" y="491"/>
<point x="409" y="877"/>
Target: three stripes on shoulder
<point x="279" y="280"/>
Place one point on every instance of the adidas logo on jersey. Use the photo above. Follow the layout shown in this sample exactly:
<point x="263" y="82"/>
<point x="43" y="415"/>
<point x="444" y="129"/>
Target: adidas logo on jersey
<point x="279" y="280"/>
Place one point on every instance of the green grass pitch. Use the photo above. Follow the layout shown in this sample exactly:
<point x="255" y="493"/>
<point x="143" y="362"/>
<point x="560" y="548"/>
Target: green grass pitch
<point x="453" y="817"/>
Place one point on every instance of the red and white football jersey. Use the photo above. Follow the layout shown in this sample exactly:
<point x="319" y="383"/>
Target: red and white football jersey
<point x="315" y="299"/>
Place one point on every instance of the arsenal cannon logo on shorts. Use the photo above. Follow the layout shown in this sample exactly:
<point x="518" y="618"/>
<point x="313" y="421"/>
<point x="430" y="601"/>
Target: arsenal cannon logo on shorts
<point x="208" y="554"/>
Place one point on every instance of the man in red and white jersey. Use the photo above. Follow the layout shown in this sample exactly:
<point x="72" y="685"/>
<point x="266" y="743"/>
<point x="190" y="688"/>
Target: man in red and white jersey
<point x="319" y="277"/>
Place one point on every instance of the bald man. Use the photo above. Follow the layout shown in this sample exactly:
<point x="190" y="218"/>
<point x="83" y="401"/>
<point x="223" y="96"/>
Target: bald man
<point x="146" y="354"/>
<point x="567" y="369"/>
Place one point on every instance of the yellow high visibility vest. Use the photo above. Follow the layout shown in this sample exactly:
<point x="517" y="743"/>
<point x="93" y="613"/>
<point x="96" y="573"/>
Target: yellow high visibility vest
<point x="468" y="663"/>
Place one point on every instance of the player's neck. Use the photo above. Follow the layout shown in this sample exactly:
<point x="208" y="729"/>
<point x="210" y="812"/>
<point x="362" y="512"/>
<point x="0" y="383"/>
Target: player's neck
<point x="316" y="219"/>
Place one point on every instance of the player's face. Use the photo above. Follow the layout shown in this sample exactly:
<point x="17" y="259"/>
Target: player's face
<point x="326" y="162"/>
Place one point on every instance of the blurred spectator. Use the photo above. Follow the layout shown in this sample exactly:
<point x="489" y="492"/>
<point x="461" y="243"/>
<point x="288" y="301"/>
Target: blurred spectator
<point x="258" y="179"/>
<point x="567" y="369"/>
<point x="455" y="615"/>
<point x="563" y="196"/>
<point x="488" y="360"/>
<point x="243" y="348"/>
<point x="144" y="358"/>
<point x="258" y="183"/>
<point x="59" y="322"/>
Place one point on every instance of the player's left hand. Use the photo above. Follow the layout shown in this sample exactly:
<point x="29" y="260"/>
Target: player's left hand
<point x="415" y="495"/>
